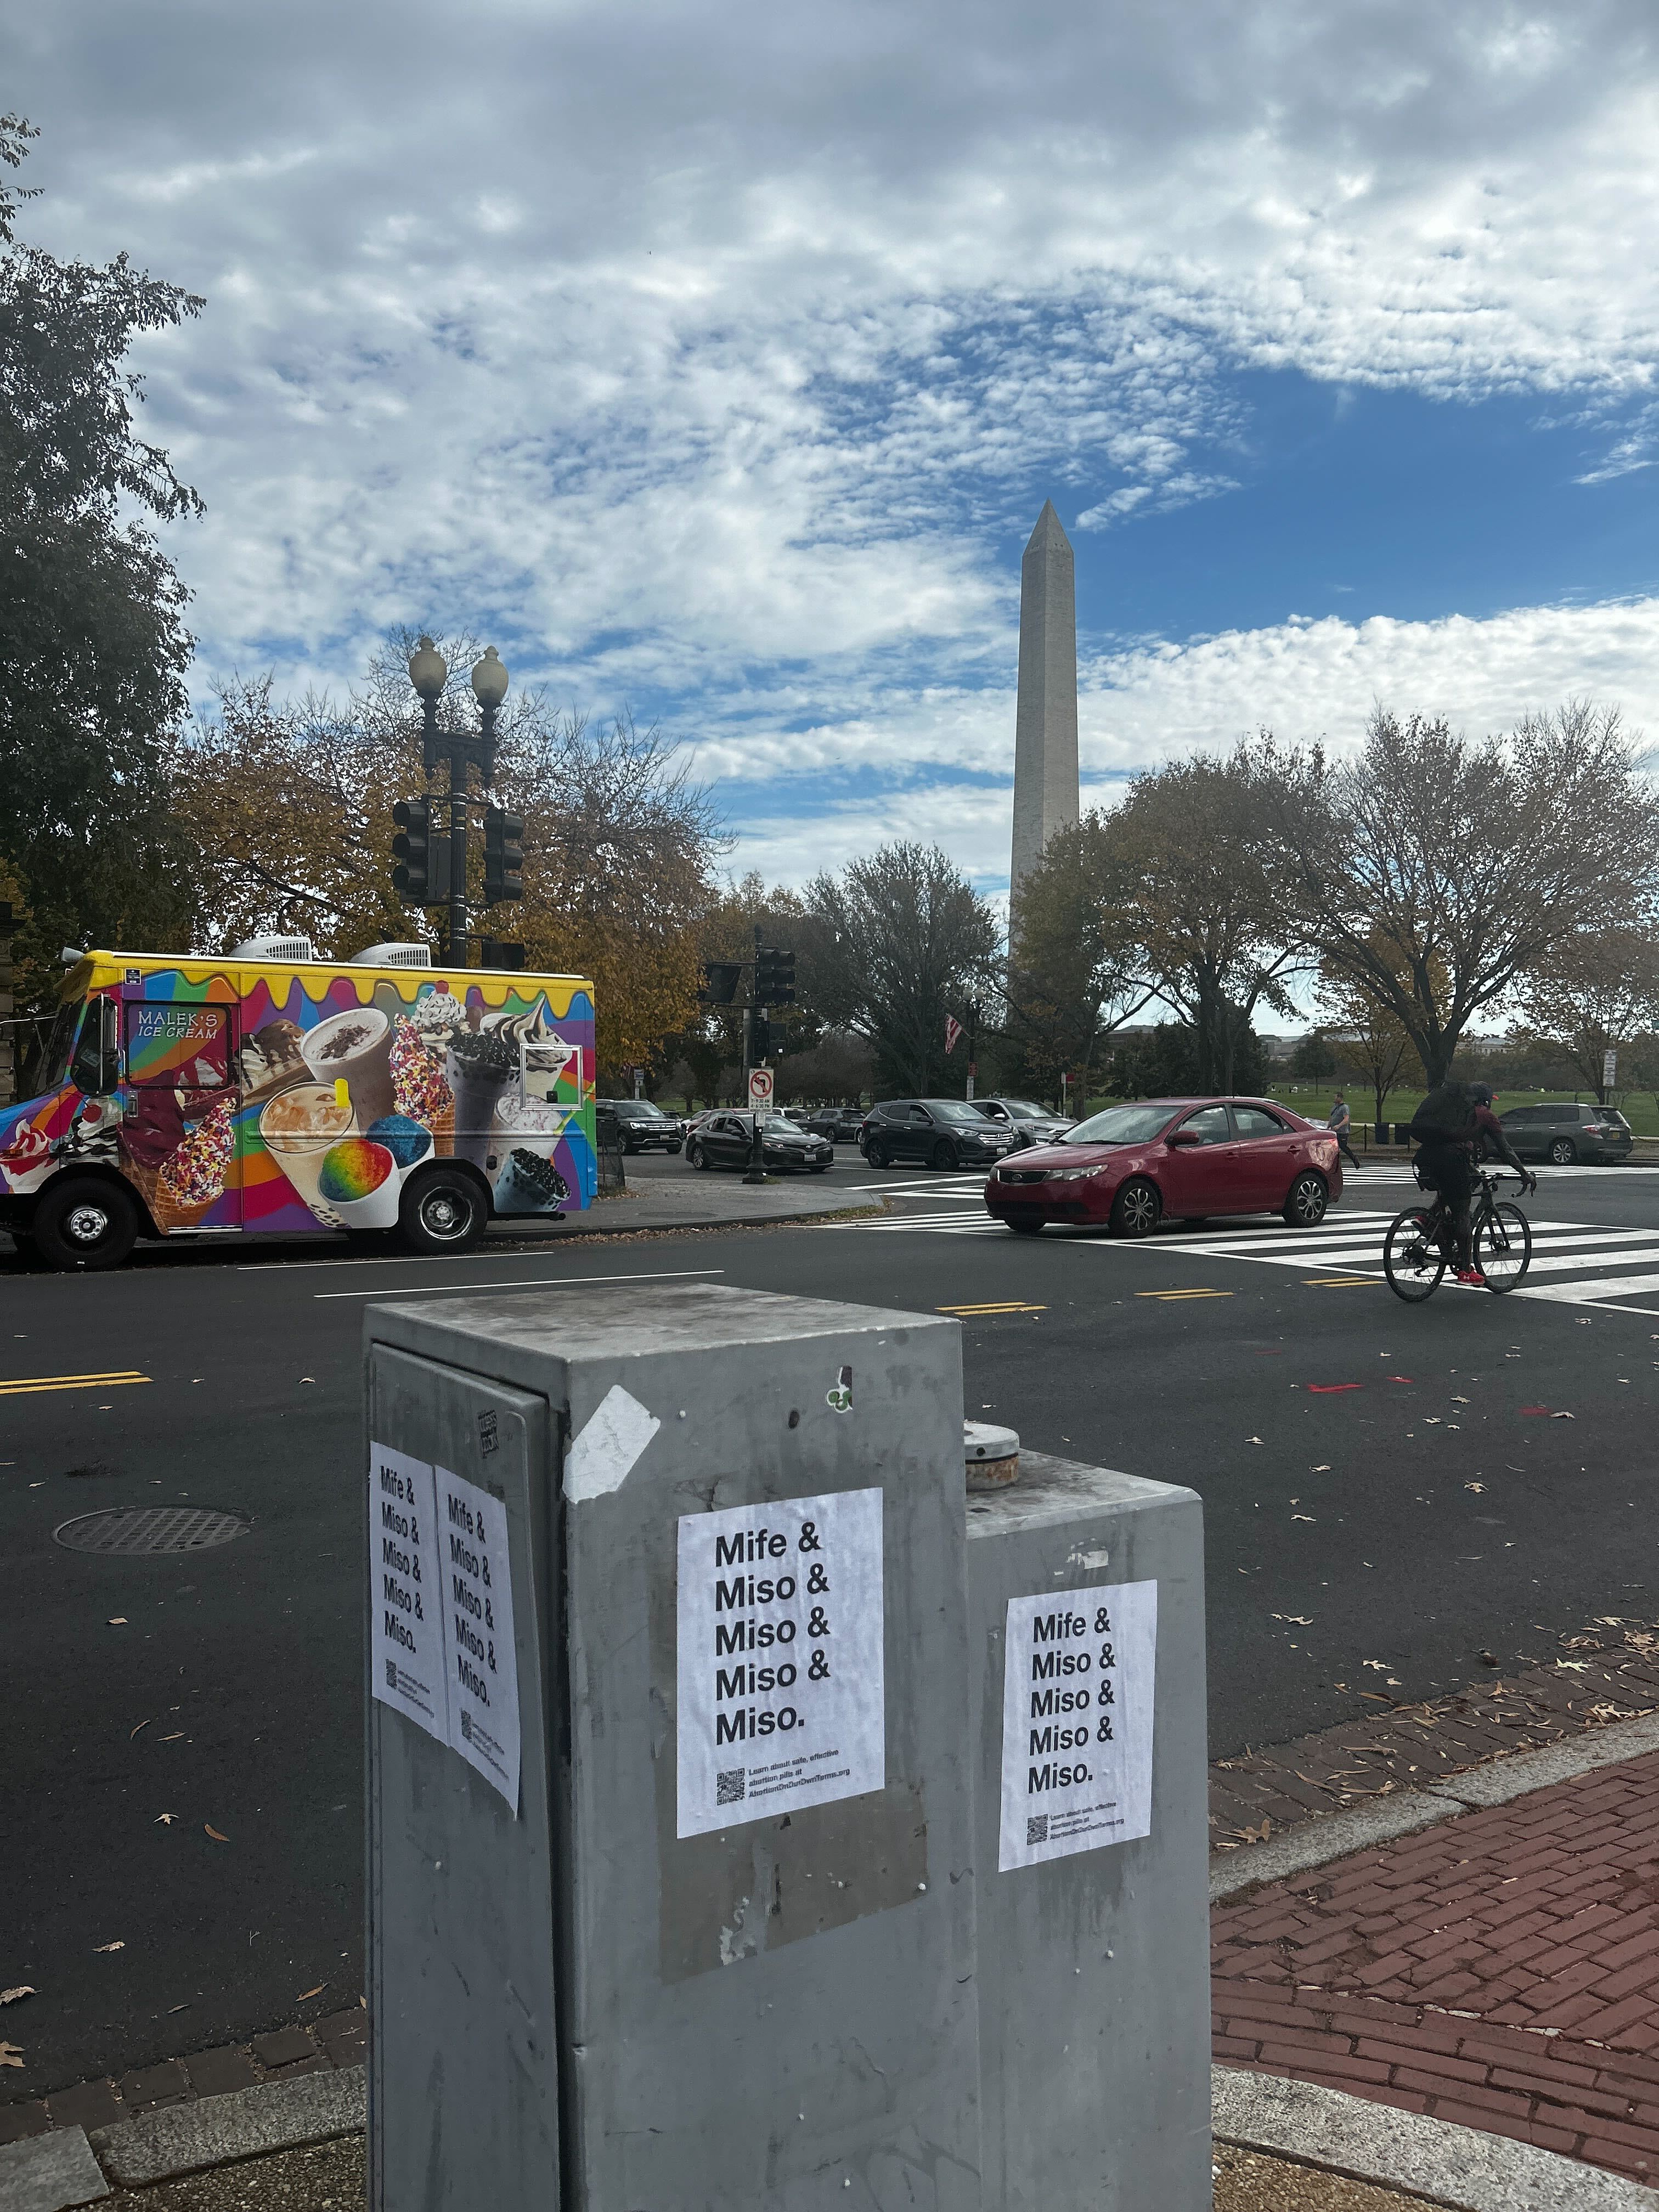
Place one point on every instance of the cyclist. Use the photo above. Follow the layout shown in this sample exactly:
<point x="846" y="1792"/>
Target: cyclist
<point x="1452" y="1124"/>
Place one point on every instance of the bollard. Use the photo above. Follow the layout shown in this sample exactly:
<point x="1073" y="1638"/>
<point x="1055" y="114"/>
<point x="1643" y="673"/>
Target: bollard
<point x="1086" y="1624"/>
<point x="671" y="1894"/>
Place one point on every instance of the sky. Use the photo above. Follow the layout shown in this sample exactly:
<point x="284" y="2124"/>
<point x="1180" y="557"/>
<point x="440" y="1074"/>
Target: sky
<point x="716" y="361"/>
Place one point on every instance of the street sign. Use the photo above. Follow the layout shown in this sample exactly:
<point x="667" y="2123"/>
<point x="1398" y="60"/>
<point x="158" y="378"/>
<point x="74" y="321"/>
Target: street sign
<point x="1610" y="1069"/>
<point x="760" y="1087"/>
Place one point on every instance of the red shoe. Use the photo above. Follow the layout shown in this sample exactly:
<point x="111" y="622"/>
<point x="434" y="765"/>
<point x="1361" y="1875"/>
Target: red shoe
<point x="1474" y="1277"/>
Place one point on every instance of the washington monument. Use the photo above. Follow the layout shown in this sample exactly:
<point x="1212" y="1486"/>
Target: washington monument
<point x="1045" y="717"/>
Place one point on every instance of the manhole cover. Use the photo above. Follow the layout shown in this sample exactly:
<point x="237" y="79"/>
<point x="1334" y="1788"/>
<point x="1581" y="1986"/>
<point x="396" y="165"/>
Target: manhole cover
<point x="151" y="1529"/>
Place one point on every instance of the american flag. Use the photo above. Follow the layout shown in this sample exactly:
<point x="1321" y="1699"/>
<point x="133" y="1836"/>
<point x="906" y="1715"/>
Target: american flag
<point x="952" y="1031"/>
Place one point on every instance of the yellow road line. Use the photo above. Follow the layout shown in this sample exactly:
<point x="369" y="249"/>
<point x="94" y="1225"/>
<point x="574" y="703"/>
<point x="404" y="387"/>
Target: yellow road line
<point x="1169" y="1296"/>
<point x="1336" y="1282"/>
<point x="1011" y="1305"/>
<point x="113" y="1382"/>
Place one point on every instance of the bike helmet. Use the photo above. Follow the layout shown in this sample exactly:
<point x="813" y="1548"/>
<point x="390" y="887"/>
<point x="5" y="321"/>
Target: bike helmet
<point x="1481" y="1093"/>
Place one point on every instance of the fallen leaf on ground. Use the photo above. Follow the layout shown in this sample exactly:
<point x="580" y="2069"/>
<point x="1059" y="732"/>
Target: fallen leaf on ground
<point x="1573" y="1666"/>
<point x="1304" y="1517"/>
<point x="1400" y="1378"/>
<point x="10" y="2054"/>
<point x="133" y="1732"/>
<point x="1298" y="1620"/>
<point x="111" y="1947"/>
<point x="23" y="1990"/>
<point x="208" y="1829"/>
<point x="317" y="1992"/>
<point x="1475" y="1485"/>
<point x="1561" y="1417"/>
<point x="1376" y="1665"/>
<point x="164" y="1819"/>
<point x="1325" y="1469"/>
<point x="1252" y="1440"/>
<point x="117" y="1620"/>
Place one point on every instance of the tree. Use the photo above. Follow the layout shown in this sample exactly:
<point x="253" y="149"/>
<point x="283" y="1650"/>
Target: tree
<point x="1366" y="1028"/>
<point x="1189" y="849"/>
<point x="92" y="645"/>
<point x="1163" y="1063"/>
<point x="1073" y="960"/>
<point x="1313" y="1059"/>
<point x="290" y="806"/>
<point x="1438" y="874"/>
<point x="1599" y="991"/>
<point x="894" y="939"/>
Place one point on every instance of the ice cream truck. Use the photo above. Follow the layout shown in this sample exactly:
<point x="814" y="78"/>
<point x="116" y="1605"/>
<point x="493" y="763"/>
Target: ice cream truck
<point x="273" y="1093"/>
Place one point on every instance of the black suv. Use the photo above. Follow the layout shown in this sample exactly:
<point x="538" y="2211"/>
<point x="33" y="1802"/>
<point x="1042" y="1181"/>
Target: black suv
<point x="1030" y="1124"/>
<point x="939" y="1133"/>
<point x="642" y="1124"/>
<point x="840" y="1124"/>
<point x="1565" y="1134"/>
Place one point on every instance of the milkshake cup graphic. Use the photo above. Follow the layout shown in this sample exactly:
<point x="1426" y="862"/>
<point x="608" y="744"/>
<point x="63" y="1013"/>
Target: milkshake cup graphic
<point x="357" y="1045"/>
<point x="529" y="1184"/>
<point x="480" y="1066"/>
<point x="297" y="1128"/>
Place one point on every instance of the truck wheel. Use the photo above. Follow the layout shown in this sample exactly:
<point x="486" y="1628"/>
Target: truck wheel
<point x="81" y="1221"/>
<point x="443" y="1211"/>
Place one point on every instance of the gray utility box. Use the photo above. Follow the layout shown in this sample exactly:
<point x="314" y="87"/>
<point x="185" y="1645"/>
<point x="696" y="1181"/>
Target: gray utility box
<point x="1086" y="1618"/>
<point x="670" y="1831"/>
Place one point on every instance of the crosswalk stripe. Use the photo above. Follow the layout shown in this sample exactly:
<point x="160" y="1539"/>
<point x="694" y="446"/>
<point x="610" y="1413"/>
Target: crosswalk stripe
<point x="1588" y="1293"/>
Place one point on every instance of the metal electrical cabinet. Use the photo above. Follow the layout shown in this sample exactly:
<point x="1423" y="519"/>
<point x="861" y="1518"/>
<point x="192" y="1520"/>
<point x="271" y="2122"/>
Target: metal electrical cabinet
<point x="702" y="1932"/>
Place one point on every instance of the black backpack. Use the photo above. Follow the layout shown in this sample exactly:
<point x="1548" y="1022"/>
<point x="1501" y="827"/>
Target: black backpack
<point x="1446" y="1116"/>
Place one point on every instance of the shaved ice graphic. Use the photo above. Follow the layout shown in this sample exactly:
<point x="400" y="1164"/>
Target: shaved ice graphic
<point x="359" y="1181"/>
<point x="406" y="1140"/>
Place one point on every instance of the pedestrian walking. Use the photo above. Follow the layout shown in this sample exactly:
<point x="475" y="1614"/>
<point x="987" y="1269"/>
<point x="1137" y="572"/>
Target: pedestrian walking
<point x="1339" y="1124"/>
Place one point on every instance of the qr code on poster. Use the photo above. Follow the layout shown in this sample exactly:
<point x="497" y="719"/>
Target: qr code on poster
<point x="1036" y="1829"/>
<point x="392" y="1674"/>
<point x="728" y="1787"/>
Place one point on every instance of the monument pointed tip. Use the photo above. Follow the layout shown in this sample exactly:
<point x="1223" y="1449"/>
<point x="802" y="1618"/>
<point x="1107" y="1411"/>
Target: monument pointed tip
<point x="1049" y="524"/>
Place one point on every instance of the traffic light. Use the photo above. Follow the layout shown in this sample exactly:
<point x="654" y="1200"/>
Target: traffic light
<point x="774" y="977"/>
<point x="765" y="1038"/>
<point x="495" y="954"/>
<point x="503" y="856"/>
<point x="720" y="983"/>
<point x="421" y="875"/>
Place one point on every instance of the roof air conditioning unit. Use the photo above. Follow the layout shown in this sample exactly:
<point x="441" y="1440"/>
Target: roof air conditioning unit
<point x="393" y="956"/>
<point x="274" y="948"/>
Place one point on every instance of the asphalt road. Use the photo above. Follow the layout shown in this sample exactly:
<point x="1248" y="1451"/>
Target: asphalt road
<point x="1389" y="1495"/>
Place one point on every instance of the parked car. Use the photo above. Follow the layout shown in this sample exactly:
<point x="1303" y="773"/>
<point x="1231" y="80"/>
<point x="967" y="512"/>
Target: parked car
<point x="1565" y="1134"/>
<point x="840" y="1124"/>
<point x="938" y="1132"/>
<point x="725" y="1140"/>
<point x="1030" y="1124"/>
<point x="644" y="1125"/>
<point x="1132" y="1166"/>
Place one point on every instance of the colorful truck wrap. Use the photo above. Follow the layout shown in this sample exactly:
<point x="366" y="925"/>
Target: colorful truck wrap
<point x="288" y="1098"/>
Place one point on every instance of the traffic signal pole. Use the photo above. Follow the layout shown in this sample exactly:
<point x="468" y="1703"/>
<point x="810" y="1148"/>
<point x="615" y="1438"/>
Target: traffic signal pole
<point x="434" y="870"/>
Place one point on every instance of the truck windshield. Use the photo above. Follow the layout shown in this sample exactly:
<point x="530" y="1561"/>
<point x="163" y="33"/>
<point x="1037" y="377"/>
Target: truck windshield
<point x="52" y="1071"/>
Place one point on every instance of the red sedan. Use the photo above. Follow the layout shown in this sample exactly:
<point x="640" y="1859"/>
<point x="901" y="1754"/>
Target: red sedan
<point x="1172" y="1158"/>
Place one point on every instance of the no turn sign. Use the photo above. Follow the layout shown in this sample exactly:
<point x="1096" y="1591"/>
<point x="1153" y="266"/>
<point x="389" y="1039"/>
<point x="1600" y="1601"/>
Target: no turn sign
<point x="760" y="1086"/>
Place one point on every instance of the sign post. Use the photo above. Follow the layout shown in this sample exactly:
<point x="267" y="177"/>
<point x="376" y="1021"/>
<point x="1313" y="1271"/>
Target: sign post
<point x="760" y="1105"/>
<point x="1610" y="1069"/>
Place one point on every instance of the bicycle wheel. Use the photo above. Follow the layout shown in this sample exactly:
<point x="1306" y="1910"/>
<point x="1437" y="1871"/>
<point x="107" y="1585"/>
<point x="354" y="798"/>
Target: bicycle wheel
<point x="1412" y="1259"/>
<point x="1503" y="1247"/>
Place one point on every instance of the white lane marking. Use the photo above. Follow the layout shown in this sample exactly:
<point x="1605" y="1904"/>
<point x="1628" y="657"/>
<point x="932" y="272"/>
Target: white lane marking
<point x="1575" y="1294"/>
<point x="517" y="1283"/>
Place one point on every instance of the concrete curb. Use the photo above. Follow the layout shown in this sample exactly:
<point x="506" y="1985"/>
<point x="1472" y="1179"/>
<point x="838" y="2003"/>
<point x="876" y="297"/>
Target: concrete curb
<point x="1448" y="2165"/>
<point x="46" y="2173"/>
<point x="224" y="2130"/>
<point x="1340" y="1834"/>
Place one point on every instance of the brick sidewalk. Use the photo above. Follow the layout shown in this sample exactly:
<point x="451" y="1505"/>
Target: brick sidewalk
<point x="1501" y="1970"/>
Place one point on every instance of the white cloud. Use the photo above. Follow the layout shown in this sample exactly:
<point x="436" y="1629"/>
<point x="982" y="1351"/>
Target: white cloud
<point x="714" y="354"/>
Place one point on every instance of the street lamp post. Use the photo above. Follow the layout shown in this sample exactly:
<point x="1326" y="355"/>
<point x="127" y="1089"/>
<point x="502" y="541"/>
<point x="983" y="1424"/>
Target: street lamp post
<point x="428" y="673"/>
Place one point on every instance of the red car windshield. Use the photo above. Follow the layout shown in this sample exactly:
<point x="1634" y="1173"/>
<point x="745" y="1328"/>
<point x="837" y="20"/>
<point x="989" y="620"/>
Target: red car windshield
<point x="1122" y="1125"/>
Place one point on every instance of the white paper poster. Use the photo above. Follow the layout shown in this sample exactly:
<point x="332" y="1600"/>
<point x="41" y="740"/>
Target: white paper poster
<point x="1077" y="1680"/>
<point x="779" y="1675"/>
<point x="484" y="1674"/>
<point x="440" y="1593"/>
<point x="405" y="1602"/>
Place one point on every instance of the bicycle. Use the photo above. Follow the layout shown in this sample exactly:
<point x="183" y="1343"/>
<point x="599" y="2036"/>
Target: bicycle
<point x="1419" y="1246"/>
